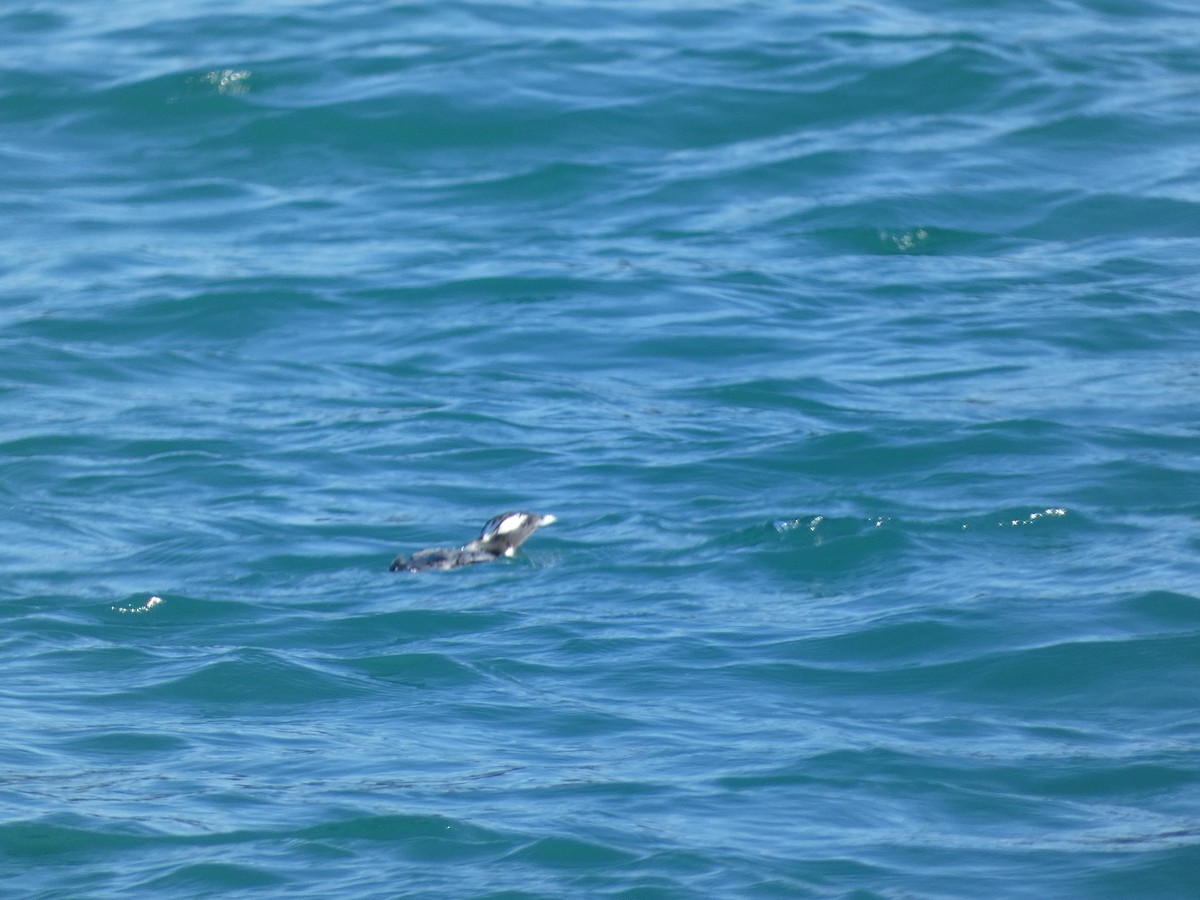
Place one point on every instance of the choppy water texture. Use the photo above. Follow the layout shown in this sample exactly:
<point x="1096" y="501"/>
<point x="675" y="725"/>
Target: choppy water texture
<point x="853" y="344"/>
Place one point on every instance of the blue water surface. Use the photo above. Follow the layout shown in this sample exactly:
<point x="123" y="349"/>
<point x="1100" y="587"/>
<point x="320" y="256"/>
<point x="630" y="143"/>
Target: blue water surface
<point x="854" y="346"/>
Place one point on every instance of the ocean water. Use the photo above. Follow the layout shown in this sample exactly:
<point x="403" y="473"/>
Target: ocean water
<point x="854" y="345"/>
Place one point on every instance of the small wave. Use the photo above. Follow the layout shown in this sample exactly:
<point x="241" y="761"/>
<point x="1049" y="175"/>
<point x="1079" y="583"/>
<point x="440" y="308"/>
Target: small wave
<point x="148" y="605"/>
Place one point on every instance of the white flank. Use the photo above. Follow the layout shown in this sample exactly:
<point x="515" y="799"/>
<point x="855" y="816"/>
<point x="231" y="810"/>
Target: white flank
<point x="512" y="523"/>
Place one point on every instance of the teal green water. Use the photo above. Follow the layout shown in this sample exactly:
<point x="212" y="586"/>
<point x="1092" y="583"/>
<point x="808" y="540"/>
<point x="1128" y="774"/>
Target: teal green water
<point x="854" y="347"/>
